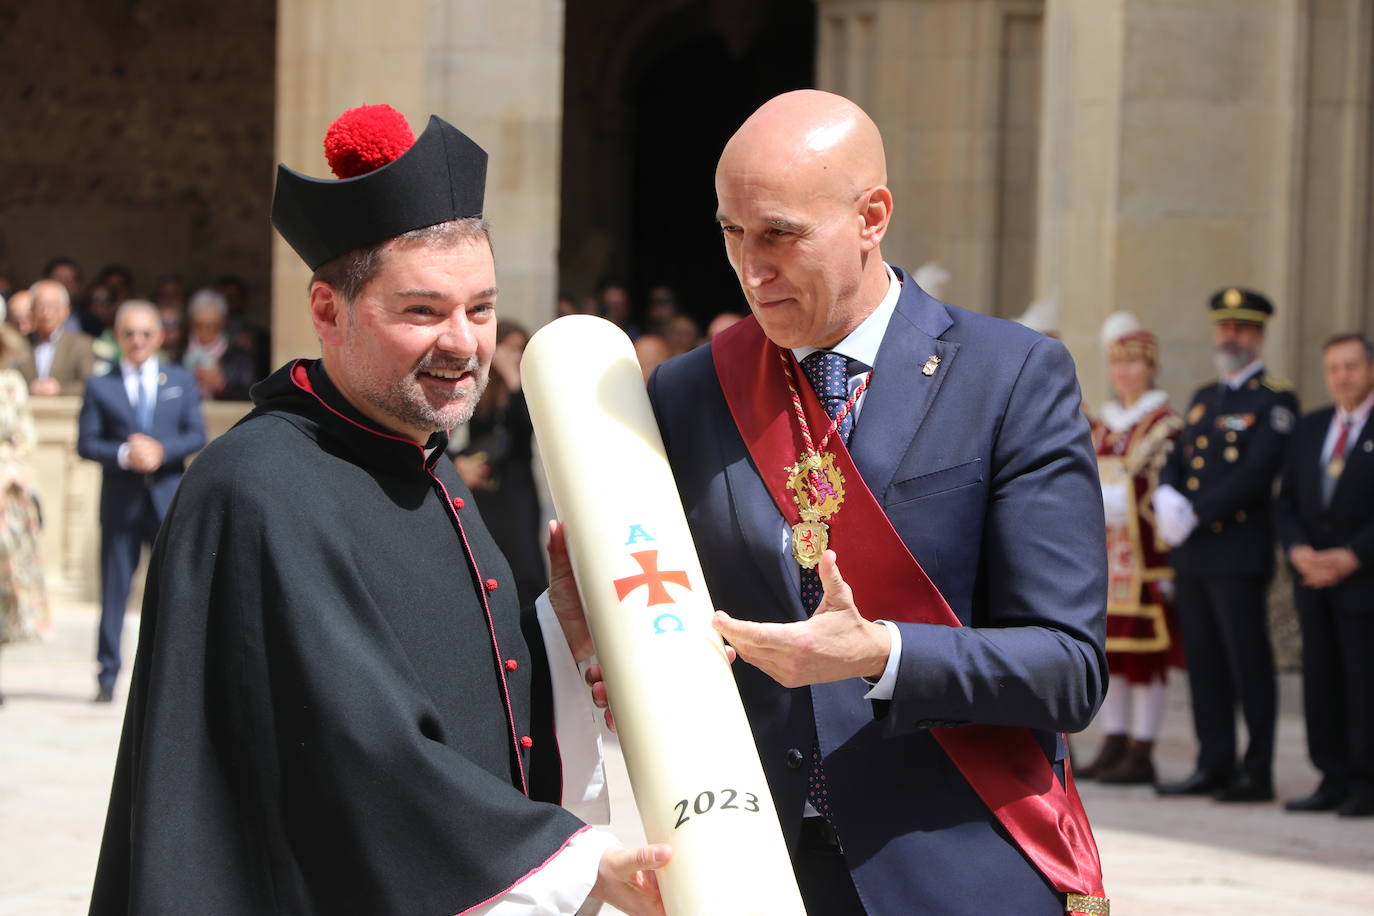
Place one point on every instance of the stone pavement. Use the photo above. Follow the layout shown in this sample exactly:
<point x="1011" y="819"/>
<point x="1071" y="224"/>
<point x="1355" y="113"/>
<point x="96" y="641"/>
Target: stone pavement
<point x="1174" y="856"/>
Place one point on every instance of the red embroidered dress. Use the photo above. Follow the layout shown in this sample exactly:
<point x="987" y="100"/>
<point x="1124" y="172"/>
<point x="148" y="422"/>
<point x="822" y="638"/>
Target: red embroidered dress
<point x="1132" y="444"/>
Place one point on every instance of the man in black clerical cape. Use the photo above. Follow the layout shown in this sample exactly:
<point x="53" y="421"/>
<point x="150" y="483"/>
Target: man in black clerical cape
<point x="337" y="705"/>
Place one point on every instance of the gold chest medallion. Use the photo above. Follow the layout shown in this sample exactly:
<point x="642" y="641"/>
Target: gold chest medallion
<point x="818" y="487"/>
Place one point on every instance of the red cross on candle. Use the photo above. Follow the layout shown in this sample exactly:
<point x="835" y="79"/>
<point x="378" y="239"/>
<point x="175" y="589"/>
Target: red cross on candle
<point x="648" y="561"/>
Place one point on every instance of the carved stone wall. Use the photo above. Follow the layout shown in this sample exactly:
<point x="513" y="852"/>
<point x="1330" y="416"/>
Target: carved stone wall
<point x="138" y="132"/>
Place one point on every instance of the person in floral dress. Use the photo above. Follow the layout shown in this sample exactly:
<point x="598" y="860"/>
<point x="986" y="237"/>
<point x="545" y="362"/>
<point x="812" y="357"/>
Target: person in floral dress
<point x="23" y="600"/>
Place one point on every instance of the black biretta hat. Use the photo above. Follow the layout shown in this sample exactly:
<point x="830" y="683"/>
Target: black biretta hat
<point x="1236" y="304"/>
<point x="441" y="177"/>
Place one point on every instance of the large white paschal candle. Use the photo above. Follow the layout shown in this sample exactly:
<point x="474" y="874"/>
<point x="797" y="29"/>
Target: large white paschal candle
<point x="688" y="747"/>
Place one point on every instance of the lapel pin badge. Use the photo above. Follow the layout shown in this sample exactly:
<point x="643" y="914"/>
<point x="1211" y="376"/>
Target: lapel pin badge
<point x="162" y="378"/>
<point x="1368" y="445"/>
<point x="931" y="365"/>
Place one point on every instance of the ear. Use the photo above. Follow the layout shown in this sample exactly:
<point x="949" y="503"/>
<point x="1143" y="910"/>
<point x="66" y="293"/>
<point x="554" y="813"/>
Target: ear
<point x="326" y="313"/>
<point x="876" y="213"/>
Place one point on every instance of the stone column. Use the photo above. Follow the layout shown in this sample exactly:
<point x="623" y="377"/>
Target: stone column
<point x="493" y="69"/>
<point x="954" y="86"/>
<point x="1177" y="158"/>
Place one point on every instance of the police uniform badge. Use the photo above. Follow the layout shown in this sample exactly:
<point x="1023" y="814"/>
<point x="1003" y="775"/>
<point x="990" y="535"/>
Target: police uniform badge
<point x="1196" y="413"/>
<point x="1281" y="418"/>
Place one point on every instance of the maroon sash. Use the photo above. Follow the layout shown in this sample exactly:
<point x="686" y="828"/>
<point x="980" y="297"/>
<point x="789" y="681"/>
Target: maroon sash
<point x="1004" y="765"/>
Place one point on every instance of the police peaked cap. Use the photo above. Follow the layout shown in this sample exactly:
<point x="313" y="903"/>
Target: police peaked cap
<point x="1236" y="304"/>
<point x="441" y="177"/>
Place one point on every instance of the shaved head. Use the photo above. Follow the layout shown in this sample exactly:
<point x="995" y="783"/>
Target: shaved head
<point x="803" y="204"/>
<point x="818" y="137"/>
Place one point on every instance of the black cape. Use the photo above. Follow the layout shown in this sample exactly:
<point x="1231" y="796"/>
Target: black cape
<point x="324" y="717"/>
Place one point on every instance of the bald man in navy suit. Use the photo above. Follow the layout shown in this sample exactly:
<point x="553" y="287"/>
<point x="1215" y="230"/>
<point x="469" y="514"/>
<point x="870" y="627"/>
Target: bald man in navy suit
<point x="970" y="438"/>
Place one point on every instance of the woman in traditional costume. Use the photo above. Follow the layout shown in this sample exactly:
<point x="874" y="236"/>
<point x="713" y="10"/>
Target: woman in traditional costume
<point x="23" y="600"/>
<point x="1133" y="434"/>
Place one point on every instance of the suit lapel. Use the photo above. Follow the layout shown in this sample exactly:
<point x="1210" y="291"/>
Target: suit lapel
<point x="118" y="393"/>
<point x="901" y="394"/>
<point x="1311" y="468"/>
<point x="762" y="528"/>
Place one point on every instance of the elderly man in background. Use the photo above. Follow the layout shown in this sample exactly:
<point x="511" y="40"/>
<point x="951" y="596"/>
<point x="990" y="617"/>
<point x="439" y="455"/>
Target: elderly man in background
<point x="223" y="371"/>
<point x="61" y="357"/>
<point x="1326" y="524"/>
<point x="140" y="422"/>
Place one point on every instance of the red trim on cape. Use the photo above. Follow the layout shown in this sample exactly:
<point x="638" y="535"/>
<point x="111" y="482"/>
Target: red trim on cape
<point x="300" y="377"/>
<point x="1004" y="765"/>
<point x="529" y="874"/>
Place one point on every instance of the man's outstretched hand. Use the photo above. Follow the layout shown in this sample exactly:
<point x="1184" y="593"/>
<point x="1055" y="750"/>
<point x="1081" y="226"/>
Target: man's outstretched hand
<point x="836" y="643"/>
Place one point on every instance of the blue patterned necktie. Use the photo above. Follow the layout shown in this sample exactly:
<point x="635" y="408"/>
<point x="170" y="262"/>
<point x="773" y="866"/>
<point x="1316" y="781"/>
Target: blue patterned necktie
<point x="143" y="412"/>
<point x="828" y="373"/>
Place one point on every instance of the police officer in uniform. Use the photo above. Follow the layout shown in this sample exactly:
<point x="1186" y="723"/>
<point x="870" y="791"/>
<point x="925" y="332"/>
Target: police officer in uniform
<point x="1213" y="507"/>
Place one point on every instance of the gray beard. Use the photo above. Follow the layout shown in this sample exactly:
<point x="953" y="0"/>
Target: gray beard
<point x="1229" y="362"/>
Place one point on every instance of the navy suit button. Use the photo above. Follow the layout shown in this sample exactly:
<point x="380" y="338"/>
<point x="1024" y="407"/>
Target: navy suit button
<point x="794" y="758"/>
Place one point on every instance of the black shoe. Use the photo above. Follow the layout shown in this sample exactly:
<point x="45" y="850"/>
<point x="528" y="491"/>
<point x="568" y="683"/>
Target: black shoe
<point x="1323" y="798"/>
<point x="104" y="695"/>
<point x="1200" y="782"/>
<point x="1246" y="788"/>
<point x="1359" y="803"/>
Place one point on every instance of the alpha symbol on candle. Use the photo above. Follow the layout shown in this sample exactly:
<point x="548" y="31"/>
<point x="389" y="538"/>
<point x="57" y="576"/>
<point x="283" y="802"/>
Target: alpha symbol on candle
<point x="637" y="534"/>
<point x="648" y="561"/>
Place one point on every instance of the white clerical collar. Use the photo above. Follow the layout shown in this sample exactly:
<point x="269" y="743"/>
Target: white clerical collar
<point x="1118" y="419"/>
<point x="1240" y="377"/>
<point x="861" y="346"/>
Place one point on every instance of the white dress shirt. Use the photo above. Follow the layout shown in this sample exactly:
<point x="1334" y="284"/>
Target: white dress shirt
<point x="43" y="354"/>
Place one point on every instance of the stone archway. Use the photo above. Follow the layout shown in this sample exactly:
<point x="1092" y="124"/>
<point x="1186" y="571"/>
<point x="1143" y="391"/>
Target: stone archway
<point x="651" y="93"/>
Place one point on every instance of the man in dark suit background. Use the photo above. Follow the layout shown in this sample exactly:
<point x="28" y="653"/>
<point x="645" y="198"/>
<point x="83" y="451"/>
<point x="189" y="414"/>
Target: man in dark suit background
<point x="1326" y="525"/>
<point x="972" y="443"/>
<point x="1212" y="506"/>
<point x="141" y="423"/>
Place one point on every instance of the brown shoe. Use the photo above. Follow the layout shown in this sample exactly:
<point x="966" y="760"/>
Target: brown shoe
<point x="1136" y="768"/>
<point x="1112" y="750"/>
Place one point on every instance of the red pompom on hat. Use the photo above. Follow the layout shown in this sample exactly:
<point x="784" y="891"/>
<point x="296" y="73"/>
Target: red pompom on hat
<point x="366" y="138"/>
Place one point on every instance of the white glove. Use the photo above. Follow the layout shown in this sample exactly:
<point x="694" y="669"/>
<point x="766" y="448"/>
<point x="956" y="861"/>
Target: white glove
<point x="1174" y="515"/>
<point x="1116" y="501"/>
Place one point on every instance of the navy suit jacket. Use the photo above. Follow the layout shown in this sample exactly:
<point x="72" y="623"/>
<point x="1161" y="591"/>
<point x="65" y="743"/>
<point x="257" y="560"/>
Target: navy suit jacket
<point x="987" y="472"/>
<point x="1348" y="521"/>
<point x="106" y="422"/>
